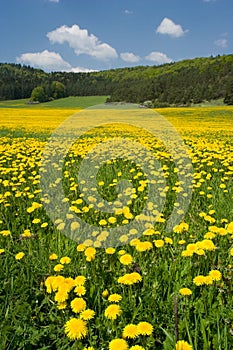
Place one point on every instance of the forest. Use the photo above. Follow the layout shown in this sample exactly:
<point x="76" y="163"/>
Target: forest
<point x="179" y="83"/>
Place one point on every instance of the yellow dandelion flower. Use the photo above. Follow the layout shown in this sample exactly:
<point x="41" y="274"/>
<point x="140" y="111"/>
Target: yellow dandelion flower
<point x="19" y="256"/>
<point x="79" y="280"/>
<point x="199" y="280"/>
<point x="136" y="347"/>
<point x="5" y="233"/>
<point x="80" y="290"/>
<point x="36" y="221"/>
<point x="61" y="296"/>
<point x="102" y="222"/>
<point x="49" y="284"/>
<point x="215" y="275"/>
<point x="67" y="284"/>
<point x="181" y="241"/>
<point x="229" y="227"/>
<point x="183" y="345"/>
<point x="144" y="328"/>
<point x="87" y="314"/>
<point x="208" y="280"/>
<point x="126" y="259"/>
<point x="75" y="328"/>
<point x="112" y="220"/>
<point x="222" y="231"/>
<point x="117" y="344"/>
<point x="130" y="278"/>
<point x="206" y="244"/>
<point x="90" y="253"/>
<point x="53" y="256"/>
<point x="65" y="260"/>
<point x="112" y="311"/>
<point x="209" y="235"/>
<point x="159" y="243"/>
<point x="110" y="250"/>
<point x="143" y="246"/>
<point x="115" y="298"/>
<point x="130" y="331"/>
<point x="26" y="233"/>
<point x="105" y="293"/>
<point x="200" y="252"/>
<point x="78" y="305"/>
<point x="81" y="247"/>
<point x="2" y="251"/>
<point x="192" y="247"/>
<point x="58" y="267"/>
<point x="185" y="291"/>
<point x="168" y="240"/>
<point x="187" y="253"/>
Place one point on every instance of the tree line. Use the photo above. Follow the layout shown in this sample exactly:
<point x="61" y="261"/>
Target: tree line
<point x="178" y="83"/>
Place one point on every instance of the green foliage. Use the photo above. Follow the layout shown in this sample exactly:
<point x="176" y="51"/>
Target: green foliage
<point x="180" y="83"/>
<point x="229" y="94"/>
<point x="58" y="90"/>
<point x="39" y="94"/>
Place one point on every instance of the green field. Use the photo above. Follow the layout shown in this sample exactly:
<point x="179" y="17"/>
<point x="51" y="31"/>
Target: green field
<point x="156" y="288"/>
<point x="68" y="102"/>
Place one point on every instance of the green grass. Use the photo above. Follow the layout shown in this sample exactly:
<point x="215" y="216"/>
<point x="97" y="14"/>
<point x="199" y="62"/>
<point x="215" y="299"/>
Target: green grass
<point x="212" y="103"/>
<point x="68" y="102"/>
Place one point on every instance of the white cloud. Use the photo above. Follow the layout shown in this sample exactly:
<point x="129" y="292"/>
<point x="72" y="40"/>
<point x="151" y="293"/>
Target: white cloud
<point x="54" y="1"/>
<point x="129" y="57"/>
<point x="82" y="42"/>
<point x="221" y="42"/>
<point x="158" y="57"/>
<point x="128" y="12"/>
<point x="209" y="0"/>
<point x="48" y="61"/>
<point x="82" y="70"/>
<point x="167" y="26"/>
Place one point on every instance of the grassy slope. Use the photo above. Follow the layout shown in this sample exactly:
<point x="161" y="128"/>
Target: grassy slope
<point x="68" y="102"/>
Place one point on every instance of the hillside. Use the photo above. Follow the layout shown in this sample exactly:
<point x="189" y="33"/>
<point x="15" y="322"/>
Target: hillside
<point x="183" y="82"/>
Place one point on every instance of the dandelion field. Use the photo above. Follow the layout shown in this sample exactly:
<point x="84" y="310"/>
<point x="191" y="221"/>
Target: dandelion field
<point x="155" y="289"/>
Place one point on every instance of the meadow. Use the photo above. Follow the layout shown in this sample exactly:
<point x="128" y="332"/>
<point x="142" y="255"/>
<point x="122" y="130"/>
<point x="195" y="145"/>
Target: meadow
<point x="154" y="289"/>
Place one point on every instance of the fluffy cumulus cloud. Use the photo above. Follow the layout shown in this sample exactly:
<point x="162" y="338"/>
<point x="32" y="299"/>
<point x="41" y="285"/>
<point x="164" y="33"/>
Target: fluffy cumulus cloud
<point x="129" y="57"/>
<point x="82" y="42"/>
<point x="167" y="26"/>
<point x="48" y="61"/>
<point x="158" y="57"/>
<point x="221" y="42"/>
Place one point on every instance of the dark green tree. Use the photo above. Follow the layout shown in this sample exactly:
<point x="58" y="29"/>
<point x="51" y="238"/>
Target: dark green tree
<point x="229" y="94"/>
<point x="39" y="95"/>
<point x="58" y="90"/>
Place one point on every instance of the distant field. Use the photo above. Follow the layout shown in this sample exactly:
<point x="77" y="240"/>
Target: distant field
<point x="68" y="102"/>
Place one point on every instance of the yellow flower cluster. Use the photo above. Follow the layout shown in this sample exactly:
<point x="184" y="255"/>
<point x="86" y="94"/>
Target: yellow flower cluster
<point x="130" y="278"/>
<point x="214" y="275"/>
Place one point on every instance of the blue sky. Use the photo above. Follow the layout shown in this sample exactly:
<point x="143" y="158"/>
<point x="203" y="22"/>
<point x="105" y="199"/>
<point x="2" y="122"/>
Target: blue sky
<point x="84" y="35"/>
